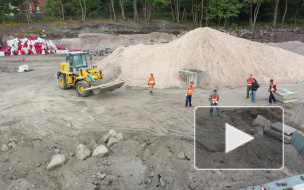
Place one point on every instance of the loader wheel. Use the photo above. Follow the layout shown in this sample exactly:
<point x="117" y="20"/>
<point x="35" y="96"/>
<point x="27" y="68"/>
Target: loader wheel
<point x="80" y="86"/>
<point x="62" y="82"/>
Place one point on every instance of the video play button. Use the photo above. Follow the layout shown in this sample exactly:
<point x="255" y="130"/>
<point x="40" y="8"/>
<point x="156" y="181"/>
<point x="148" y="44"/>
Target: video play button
<point x="239" y="139"/>
<point x="235" y="138"/>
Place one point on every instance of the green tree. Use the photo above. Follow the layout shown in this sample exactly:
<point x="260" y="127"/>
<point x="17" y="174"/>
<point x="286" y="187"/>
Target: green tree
<point x="4" y="7"/>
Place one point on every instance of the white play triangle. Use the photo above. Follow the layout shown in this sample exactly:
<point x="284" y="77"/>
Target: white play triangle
<point x="235" y="138"/>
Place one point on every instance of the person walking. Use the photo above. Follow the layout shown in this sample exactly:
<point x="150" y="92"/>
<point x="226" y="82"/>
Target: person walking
<point x="190" y="91"/>
<point x="249" y="84"/>
<point x="151" y="83"/>
<point x="255" y="86"/>
<point x="213" y="99"/>
<point x="272" y="89"/>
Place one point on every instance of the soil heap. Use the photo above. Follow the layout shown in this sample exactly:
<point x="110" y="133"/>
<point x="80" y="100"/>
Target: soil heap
<point x="226" y="60"/>
<point x="293" y="46"/>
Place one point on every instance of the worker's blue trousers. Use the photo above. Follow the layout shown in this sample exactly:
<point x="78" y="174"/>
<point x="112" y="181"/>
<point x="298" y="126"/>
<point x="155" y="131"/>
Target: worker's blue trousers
<point x="217" y="109"/>
<point x="271" y="97"/>
<point x="188" y="99"/>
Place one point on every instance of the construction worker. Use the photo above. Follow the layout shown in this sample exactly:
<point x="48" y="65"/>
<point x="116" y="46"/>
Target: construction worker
<point x="272" y="89"/>
<point x="249" y="84"/>
<point x="255" y="86"/>
<point x="190" y="91"/>
<point x="151" y="83"/>
<point x="214" y="98"/>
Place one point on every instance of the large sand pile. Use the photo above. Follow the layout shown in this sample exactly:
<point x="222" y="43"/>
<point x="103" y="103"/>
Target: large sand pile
<point x="227" y="61"/>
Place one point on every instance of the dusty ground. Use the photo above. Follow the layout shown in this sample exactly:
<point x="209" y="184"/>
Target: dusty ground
<point x="42" y="118"/>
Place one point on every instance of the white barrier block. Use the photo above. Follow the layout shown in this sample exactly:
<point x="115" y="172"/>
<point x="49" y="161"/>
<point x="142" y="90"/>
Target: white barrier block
<point x="22" y="68"/>
<point x="62" y="51"/>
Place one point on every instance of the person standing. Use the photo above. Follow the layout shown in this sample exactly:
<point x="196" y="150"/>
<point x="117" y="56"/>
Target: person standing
<point x="272" y="89"/>
<point x="249" y="84"/>
<point x="151" y="83"/>
<point x="214" y="98"/>
<point x="255" y="86"/>
<point x="190" y="91"/>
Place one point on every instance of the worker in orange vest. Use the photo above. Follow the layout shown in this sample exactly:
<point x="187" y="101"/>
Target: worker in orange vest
<point x="272" y="89"/>
<point x="151" y="83"/>
<point x="190" y="91"/>
<point x="249" y="84"/>
<point x="213" y="99"/>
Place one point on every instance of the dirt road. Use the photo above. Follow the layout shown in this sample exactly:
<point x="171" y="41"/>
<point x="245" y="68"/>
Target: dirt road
<point x="42" y="119"/>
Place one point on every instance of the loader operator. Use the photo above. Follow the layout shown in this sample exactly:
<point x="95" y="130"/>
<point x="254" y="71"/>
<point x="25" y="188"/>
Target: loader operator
<point x="151" y="83"/>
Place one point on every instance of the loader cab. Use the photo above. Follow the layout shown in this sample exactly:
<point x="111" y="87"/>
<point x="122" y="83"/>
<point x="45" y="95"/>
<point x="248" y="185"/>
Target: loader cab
<point x="77" y="60"/>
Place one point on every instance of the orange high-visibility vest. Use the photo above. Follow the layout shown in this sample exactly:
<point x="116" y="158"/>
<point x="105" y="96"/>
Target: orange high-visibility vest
<point x="189" y="90"/>
<point x="152" y="81"/>
<point x="214" y="98"/>
<point x="250" y="81"/>
<point x="272" y="86"/>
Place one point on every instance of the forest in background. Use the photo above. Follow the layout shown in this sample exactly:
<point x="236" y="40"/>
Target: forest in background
<point x="200" y="12"/>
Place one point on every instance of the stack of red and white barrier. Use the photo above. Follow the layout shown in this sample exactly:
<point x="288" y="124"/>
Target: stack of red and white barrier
<point x="31" y="46"/>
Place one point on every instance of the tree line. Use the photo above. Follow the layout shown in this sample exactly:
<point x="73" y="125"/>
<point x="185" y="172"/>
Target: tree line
<point x="200" y="12"/>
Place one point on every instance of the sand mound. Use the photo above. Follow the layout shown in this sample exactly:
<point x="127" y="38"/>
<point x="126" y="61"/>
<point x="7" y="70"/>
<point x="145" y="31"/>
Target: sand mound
<point x="293" y="46"/>
<point x="227" y="61"/>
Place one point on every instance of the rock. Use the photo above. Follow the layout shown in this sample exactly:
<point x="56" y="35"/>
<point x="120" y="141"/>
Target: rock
<point x="71" y="154"/>
<point x="119" y="136"/>
<point x="143" y="146"/>
<point x="261" y="121"/>
<point x="90" y="186"/>
<point x="56" y="161"/>
<point x="278" y="126"/>
<point x="82" y="152"/>
<point x="193" y="185"/>
<point x="162" y="182"/>
<point x="12" y="144"/>
<point x="100" y="151"/>
<point x="277" y="135"/>
<point x="100" y="176"/>
<point x="105" y="138"/>
<point x="11" y="139"/>
<point x="112" y="132"/>
<point x="4" y="148"/>
<point x="259" y="131"/>
<point x="281" y="183"/>
<point x="57" y="150"/>
<point x="181" y="155"/>
<point x="152" y="174"/>
<point x="43" y="36"/>
<point x="54" y="35"/>
<point x="38" y="165"/>
<point x="112" y="141"/>
<point x="93" y="145"/>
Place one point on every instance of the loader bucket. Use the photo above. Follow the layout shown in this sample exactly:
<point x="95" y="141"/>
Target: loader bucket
<point x="110" y="86"/>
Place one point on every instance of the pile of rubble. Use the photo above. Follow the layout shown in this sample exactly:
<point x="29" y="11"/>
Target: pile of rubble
<point x="82" y="152"/>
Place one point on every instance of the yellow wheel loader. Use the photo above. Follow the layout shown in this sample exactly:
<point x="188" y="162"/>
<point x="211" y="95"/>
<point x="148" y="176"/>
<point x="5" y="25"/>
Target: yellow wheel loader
<point x="75" y="72"/>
